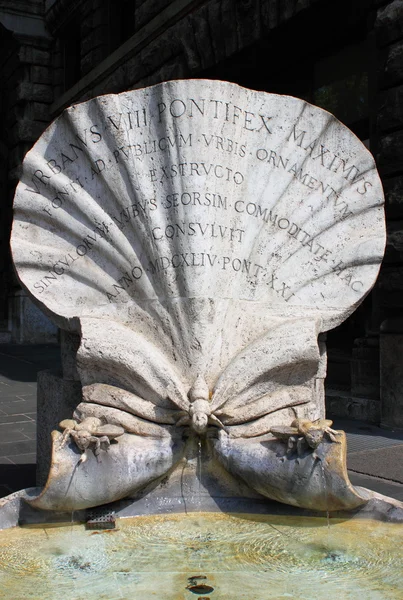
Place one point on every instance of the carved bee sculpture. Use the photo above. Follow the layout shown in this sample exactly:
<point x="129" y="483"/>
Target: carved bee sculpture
<point x="200" y="415"/>
<point x="304" y="433"/>
<point x="91" y="432"/>
<point x="146" y="395"/>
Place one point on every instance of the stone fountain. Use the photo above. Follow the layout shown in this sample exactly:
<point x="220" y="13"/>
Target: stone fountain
<point x="199" y="238"/>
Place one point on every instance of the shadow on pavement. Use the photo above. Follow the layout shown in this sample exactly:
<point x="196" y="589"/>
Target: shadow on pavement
<point x="22" y="363"/>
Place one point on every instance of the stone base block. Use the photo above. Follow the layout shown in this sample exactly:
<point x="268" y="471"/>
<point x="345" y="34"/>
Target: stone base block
<point x="392" y="379"/>
<point x="343" y="404"/>
<point x="57" y="400"/>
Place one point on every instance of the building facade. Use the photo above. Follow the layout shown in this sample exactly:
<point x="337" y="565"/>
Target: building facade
<point x="345" y="56"/>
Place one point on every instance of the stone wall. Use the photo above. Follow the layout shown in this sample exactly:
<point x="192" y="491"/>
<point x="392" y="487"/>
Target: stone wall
<point x="25" y="72"/>
<point x="172" y="40"/>
<point x="389" y="35"/>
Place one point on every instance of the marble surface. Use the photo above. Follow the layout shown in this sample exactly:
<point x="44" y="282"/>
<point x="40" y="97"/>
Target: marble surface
<point x="198" y="236"/>
<point x="198" y="189"/>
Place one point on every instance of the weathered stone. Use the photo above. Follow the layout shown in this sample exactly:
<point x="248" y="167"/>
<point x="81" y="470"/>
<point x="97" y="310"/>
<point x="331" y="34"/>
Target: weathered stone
<point x="269" y="14"/>
<point x="390" y="114"/>
<point x="134" y="71"/>
<point x="277" y="153"/>
<point x="391" y="351"/>
<point x="189" y="46"/>
<point x="69" y="344"/>
<point x="40" y="74"/>
<point x="365" y="371"/>
<point x="40" y="111"/>
<point x="93" y="40"/>
<point x="228" y="27"/>
<point x="393" y="188"/>
<point x="30" y="324"/>
<point x="57" y="398"/>
<point x="216" y="30"/>
<point x="148" y="10"/>
<point x="390" y="284"/>
<point x="198" y="237"/>
<point x="34" y="56"/>
<point x="389" y="22"/>
<point x="175" y="68"/>
<point x="90" y="60"/>
<point x="202" y="39"/>
<point x="346" y="406"/>
<point x="26" y="131"/>
<point x="248" y="21"/>
<point x="390" y="157"/>
<point x="154" y="55"/>
<point x="37" y="92"/>
<point x="391" y="66"/>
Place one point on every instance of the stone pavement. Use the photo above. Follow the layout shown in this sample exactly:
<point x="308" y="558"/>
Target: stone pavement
<point x="18" y="368"/>
<point x="374" y="457"/>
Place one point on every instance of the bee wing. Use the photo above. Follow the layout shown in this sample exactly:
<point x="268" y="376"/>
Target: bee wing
<point x="109" y="395"/>
<point x="137" y="366"/>
<point x="111" y="431"/>
<point x="271" y="374"/>
<point x="283" y="432"/>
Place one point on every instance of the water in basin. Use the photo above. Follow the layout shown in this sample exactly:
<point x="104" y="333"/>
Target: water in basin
<point x="216" y="556"/>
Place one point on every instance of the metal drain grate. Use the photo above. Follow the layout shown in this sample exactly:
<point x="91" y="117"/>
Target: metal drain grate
<point x="100" y="518"/>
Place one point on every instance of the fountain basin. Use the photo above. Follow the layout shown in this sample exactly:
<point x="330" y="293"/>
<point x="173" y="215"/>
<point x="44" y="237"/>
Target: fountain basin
<point x="205" y="555"/>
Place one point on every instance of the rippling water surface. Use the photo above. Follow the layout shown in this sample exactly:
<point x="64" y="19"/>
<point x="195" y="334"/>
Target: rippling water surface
<point x="216" y="556"/>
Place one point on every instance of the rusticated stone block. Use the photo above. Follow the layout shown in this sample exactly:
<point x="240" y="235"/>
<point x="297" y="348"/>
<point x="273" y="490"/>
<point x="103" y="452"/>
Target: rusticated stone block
<point x="34" y="56"/>
<point x="394" y="196"/>
<point x="93" y="40"/>
<point x="188" y="45"/>
<point x="11" y="67"/>
<point x="248" y="21"/>
<point x="134" y="71"/>
<point x="391" y="65"/>
<point x="390" y="156"/>
<point x="365" y="372"/>
<point x="176" y="68"/>
<point x="90" y="60"/>
<point x="203" y="42"/>
<point x="38" y="92"/>
<point x="229" y="27"/>
<point x="114" y="83"/>
<point x="391" y="109"/>
<point x="17" y="154"/>
<point x="344" y="405"/>
<point x="215" y="29"/>
<point x="148" y="10"/>
<point x="389" y="22"/>
<point x="391" y="351"/>
<point x="40" y="74"/>
<point x="269" y="14"/>
<point x="161" y="50"/>
<point x="40" y="111"/>
<point x="391" y="279"/>
<point x="26" y="131"/>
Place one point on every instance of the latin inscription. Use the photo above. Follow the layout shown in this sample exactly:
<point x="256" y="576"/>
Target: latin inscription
<point x="178" y="185"/>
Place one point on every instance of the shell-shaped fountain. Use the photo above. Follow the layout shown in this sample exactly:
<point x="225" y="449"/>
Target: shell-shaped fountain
<point x="199" y="236"/>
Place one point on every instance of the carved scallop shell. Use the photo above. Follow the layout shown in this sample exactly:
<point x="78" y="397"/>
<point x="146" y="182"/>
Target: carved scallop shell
<point x="196" y="231"/>
<point x="178" y="204"/>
